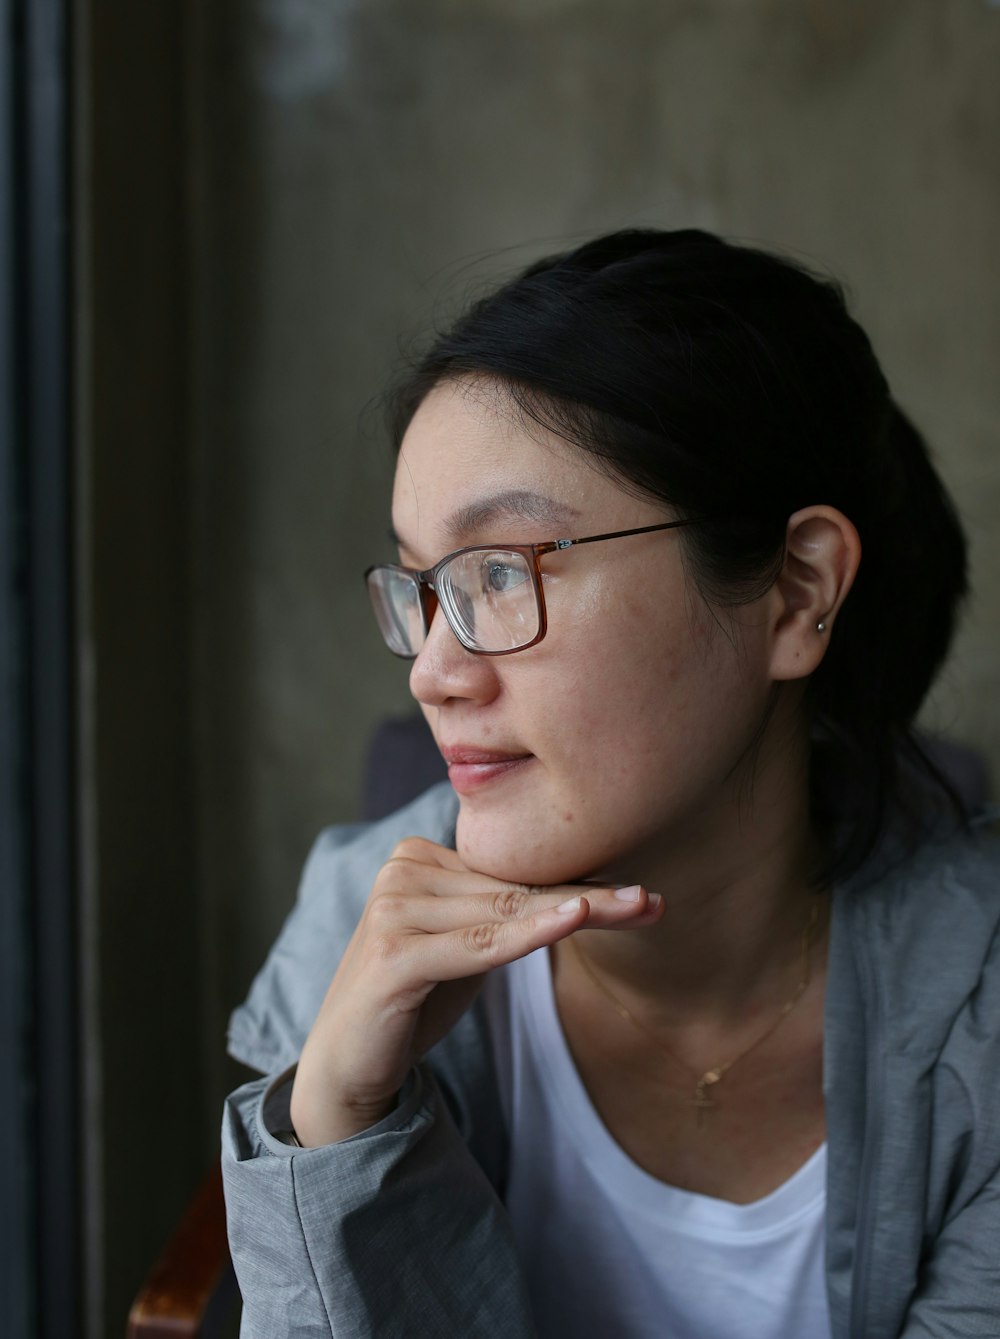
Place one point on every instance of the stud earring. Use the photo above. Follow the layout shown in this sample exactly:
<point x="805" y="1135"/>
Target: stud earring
<point x="821" y="627"/>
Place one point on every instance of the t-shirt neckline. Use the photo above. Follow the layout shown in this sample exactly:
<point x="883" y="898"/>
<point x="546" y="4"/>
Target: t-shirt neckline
<point x="621" y="1177"/>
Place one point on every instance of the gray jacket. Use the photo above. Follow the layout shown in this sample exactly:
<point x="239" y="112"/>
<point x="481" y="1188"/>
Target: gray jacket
<point x="401" y="1230"/>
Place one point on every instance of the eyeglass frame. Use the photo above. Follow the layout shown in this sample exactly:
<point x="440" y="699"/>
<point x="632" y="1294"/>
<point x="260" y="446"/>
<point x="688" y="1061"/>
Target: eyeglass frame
<point x="429" y="600"/>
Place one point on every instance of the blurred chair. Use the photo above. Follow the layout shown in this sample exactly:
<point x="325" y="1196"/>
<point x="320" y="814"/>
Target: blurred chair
<point x="403" y="762"/>
<point x="191" y="1290"/>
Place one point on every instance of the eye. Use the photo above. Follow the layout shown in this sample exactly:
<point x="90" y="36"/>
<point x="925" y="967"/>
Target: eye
<point x="500" y="575"/>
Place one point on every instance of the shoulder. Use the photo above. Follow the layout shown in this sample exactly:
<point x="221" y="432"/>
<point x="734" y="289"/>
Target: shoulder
<point x="926" y="932"/>
<point x="947" y="881"/>
<point x="268" y="1030"/>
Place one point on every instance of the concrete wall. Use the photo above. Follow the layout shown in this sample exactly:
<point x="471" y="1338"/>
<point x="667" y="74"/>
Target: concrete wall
<point x="351" y="169"/>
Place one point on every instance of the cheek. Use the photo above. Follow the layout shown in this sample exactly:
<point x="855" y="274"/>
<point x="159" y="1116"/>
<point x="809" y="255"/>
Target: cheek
<point x="626" y="678"/>
<point x="635" y="722"/>
<point x="651" y="720"/>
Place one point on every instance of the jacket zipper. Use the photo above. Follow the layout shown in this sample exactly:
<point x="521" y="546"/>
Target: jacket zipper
<point x="870" y="1153"/>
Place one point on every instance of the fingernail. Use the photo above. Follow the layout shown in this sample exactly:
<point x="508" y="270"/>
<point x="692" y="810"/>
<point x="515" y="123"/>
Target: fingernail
<point x="655" y="899"/>
<point x="630" y="894"/>
<point x="567" y="908"/>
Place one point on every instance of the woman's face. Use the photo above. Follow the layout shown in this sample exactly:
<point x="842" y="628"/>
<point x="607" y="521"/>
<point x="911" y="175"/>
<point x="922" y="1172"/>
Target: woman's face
<point x="632" y="716"/>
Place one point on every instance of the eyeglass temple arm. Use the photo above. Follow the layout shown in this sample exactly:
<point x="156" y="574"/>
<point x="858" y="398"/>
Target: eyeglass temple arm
<point x="614" y="534"/>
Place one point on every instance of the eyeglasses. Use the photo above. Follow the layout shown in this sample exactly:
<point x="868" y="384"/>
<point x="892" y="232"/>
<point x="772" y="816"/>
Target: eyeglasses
<point x="491" y="595"/>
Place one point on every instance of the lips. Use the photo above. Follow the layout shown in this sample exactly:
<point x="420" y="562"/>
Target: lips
<point x="462" y="753"/>
<point x="471" y="768"/>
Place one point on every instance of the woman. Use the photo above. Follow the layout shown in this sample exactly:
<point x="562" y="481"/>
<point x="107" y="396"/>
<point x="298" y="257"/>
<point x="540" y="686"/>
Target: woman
<point x="675" y="1013"/>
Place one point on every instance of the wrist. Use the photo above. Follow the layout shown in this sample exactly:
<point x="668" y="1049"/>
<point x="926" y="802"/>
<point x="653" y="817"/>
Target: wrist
<point x="317" y="1123"/>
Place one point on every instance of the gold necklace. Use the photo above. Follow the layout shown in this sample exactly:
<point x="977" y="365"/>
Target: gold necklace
<point x="701" y="1100"/>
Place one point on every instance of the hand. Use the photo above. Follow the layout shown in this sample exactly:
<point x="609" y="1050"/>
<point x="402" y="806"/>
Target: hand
<point x="431" y="930"/>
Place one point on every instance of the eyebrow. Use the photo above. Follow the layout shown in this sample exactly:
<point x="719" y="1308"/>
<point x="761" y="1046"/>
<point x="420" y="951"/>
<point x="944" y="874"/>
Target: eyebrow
<point x="514" y="504"/>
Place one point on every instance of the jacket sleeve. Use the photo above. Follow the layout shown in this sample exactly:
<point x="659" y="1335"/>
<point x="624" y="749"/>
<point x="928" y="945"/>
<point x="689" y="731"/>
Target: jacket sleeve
<point x="959" y="1295"/>
<point x="958" y="1290"/>
<point x="401" y="1229"/>
<point x="394" y="1232"/>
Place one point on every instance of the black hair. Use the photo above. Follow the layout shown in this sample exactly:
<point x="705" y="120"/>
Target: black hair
<point x="733" y="385"/>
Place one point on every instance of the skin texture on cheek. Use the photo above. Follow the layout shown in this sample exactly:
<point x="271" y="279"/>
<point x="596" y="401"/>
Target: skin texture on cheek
<point x="631" y="757"/>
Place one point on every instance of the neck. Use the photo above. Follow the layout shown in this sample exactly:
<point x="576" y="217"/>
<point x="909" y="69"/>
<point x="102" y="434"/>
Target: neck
<point x="737" y="894"/>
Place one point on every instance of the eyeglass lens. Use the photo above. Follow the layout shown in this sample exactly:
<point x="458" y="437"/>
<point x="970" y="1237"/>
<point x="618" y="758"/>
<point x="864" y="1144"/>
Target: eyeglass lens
<point x="488" y="597"/>
<point x="396" y="600"/>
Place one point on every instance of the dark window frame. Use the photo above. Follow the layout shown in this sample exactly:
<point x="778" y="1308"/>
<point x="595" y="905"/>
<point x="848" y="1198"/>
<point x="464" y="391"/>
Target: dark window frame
<point x="40" y="1128"/>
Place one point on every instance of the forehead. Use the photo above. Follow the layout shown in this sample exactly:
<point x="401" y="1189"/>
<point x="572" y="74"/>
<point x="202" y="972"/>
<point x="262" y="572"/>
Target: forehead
<point x="468" y="459"/>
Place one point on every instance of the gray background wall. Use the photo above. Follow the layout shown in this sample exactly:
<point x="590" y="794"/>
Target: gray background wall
<point x="277" y="197"/>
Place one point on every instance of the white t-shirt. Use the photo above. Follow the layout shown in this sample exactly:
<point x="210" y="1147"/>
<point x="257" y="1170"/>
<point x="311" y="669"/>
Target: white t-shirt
<point x="608" y="1250"/>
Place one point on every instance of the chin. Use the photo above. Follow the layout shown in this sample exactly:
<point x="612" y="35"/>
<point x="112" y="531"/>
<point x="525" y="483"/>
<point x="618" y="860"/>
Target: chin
<point x="536" y="853"/>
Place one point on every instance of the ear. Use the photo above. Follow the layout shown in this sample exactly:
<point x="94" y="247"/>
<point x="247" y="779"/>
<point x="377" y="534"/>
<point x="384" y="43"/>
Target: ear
<point x="822" y="553"/>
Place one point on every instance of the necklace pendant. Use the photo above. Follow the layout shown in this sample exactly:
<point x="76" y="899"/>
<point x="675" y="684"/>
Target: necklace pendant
<point x="701" y="1103"/>
<point x="701" y="1100"/>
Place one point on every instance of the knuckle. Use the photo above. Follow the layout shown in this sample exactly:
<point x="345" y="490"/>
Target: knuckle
<point x="395" y="875"/>
<point x="385" y="911"/>
<point x="510" y="904"/>
<point x="408" y="848"/>
<point x="484" y="940"/>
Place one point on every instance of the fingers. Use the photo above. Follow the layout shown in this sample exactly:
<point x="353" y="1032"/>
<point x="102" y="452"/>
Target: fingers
<point x="467" y="945"/>
<point x="434" y="919"/>
<point x="417" y="865"/>
<point x="431" y="912"/>
<point x="472" y="949"/>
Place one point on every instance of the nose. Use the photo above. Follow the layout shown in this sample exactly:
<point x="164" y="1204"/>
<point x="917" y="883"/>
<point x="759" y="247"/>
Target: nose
<point x="444" y="669"/>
